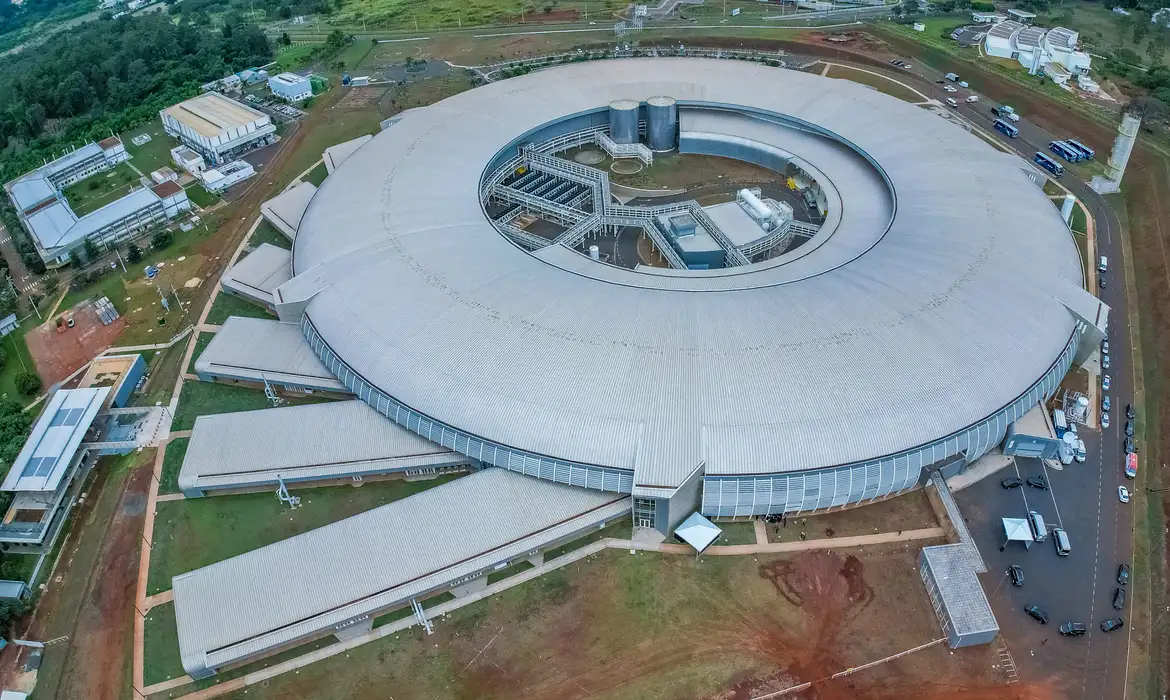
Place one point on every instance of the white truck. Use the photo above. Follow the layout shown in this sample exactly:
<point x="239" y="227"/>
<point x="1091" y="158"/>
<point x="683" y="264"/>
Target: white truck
<point x="952" y="77"/>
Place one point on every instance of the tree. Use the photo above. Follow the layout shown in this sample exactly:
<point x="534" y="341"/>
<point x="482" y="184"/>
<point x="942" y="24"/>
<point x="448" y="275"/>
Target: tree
<point x="1147" y="108"/>
<point x="284" y="40"/>
<point x="133" y="254"/>
<point x="7" y="296"/>
<point x="92" y="252"/>
<point x="3" y="357"/>
<point x="284" y="12"/>
<point x="50" y="284"/>
<point x="161" y="240"/>
<point x="28" y="383"/>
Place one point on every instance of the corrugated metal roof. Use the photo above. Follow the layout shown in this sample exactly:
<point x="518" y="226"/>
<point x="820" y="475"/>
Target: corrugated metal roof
<point x="52" y="224"/>
<point x="259" y="273"/>
<point x="257" y="349"/>
<point x="877" y="339"/>
<point x="54" y="440"/>
<point x="334" y="156"/>
<point x="309" y="583"/>
<point x="1005" y="30"/>
<point x="319" y="441"/>
<point x="285" y="210"/>
<point x="211" y="114"/>
<point x="31" y="191"/>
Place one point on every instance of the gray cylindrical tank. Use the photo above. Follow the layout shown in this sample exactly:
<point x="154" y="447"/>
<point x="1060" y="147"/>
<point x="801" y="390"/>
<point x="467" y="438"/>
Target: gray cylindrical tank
<point x="623" y="121"/>
<point x="661" y="123"/>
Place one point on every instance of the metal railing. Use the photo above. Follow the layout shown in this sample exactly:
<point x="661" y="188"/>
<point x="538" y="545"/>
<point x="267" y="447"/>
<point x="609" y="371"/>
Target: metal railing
<point x="624" y="150"/>
<point x="523" y="238"/>
<point x="556" y="212"/>
<point x="576" y="234"/>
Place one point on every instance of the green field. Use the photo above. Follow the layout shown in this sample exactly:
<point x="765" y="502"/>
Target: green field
<point x="153" y="154"/>
<point x="231" y="305"/>
<point x="1103" y="31"/>
<point x="172" y="462"/>
<point x="18" y="360"/>
<point x="203" y="398"/>
<point x="101" y="189"/>
<point x="201" y="342"/>
<point x="17" y="567"/>
<point x="317" y="175"/>
<point x="295" y="57"/>
<point x="161" y="661"/>
<point x="882" y="84"/>
<point x="201" y="197"/>
<point x="267" y="233"/>
<point x="196" y="532"/>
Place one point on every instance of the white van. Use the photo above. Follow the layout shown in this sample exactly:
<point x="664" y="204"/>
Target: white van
<point x="1060" y="539"/>
<point x="1103" y="264"/>
<point x="1036" y="523"/>
<point x="951" y="101"/>
<point x="972" y="98"/>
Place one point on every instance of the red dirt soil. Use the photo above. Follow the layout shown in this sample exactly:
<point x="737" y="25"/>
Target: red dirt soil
<point x="57" y="355"/>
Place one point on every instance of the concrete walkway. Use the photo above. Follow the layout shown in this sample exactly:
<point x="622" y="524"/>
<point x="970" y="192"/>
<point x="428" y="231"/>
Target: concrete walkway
<point x="761" y="531"/>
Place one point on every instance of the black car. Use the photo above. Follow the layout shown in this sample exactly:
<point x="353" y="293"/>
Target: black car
<point x="1129" y="428"/>
<point x="1113" y="623"/>
<point x="1102" y="283"/>
<point x="1012" y="482"/>
<point x="1123" y="574"/>
<point x="1073" y="629"/>
<point x="1119" y="599"/>
<point x="1129" y="412"/>
<point x="1038" y="482"/>
<point x="1037" y="613"/>
<point x="1130" y="448"/>
<point x="1016" y="572"/>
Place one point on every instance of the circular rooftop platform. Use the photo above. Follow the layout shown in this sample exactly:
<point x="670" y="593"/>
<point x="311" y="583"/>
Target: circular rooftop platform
<point x="927" y="311"/>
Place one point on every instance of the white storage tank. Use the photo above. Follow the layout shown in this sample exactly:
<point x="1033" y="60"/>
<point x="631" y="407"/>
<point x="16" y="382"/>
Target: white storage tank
<point x="623" y="121"/>
<point x="594" y="252"/>
<point x="661" y="123"/>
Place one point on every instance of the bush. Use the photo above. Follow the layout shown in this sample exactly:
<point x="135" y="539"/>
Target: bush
<point x="133" y="254"/>
<point x="978" y="6"/>
<point x="161" y="240"/>
<point x="3" y="357"/>
<point x="28" y="383"/>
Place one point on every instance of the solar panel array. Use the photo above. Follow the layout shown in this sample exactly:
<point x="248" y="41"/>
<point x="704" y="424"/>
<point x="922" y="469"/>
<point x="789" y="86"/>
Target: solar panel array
<point x="106" y="311"/>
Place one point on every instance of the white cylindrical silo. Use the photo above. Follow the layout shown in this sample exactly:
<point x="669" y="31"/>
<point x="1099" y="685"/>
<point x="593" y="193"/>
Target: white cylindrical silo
<point x="1066" y="209"/>
<point x="623" y="121"/>
<point x="661" y="123"/>
<point x="594" y="252"/>
<point x="761" y="210"/>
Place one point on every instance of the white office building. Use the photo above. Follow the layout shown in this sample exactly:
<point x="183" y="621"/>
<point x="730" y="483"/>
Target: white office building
<point x="290" y="87"/>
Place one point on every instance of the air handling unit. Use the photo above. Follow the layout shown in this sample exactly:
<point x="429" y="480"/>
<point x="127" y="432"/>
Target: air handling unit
<point x="623" y="121"/>
<point x="661" y="123"/>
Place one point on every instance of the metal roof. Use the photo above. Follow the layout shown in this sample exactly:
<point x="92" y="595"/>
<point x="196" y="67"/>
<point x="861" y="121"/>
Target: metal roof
<point x="211" y="114"/>
<point x="1029" y="37"/>
<point x="899" y="326"/>
<point x="310" y="583"/>
<point x="257" y="349"/>
<point x="317" y="441"/>
<point x="259" y="273"/>
<point x="54" y="440"/>
<point x="1005" y="30"/>
<point x="284" y="211"/>
<point x="335" y="155"/>
<point x="959" y="588"/>
<point x="31" y="190"/>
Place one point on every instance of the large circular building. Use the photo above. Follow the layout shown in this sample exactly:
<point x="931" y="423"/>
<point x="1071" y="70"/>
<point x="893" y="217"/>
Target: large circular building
<point x="938" y="299"/>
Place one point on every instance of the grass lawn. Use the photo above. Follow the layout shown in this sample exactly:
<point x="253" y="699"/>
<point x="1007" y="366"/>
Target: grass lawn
<point x="403" y="14"/>
<point x="1079" y="222"/>
<point x="231" y="305"/>
<point x="201" y="197"/>
<point x="317" y="175"/>
<point x="17" y="567"/>
<point x="153" y="154"/>
<point x="267" y="233"/>
<point x="645" y="626"/>
<point x="200" y="345"/>
<point x="101" y="189"/>
<point x="160" y="643"/>
<point x="877" y="82"/>
<point x="355" y="53"/>
<point x="18" y="360"/>
<point x="196" y="532"/>
<point x="335" y="126"/>
<point x="203" y="398"/>
<point x="737" y="533"/>
<point x="172" y="462"/>
<point x="295" y="57"/>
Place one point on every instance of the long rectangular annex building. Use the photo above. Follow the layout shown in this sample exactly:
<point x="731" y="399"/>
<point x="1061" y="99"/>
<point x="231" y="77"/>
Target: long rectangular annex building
<point x="218" y="128"/>
<point x="250" y="450"/>
<point x="337" y="578"/>
<point x="259" y="351"/>
<point x="257" y="275"/>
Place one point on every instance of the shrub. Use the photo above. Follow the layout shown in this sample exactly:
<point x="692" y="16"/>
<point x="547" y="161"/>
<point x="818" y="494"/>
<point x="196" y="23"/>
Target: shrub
<point x="133" y="254"/>
<point x="161" y="240"/>
<point x="28" y="383"/>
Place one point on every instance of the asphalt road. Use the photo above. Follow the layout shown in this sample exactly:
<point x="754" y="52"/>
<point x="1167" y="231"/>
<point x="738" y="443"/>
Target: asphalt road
<point x="1083" y="497"/>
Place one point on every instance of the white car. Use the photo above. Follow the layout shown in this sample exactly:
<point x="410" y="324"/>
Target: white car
<point x="1105" y="346"/>
<point x="951" y="103"/>
<point x="1013" y="116"/>
<point x="963" y="83"/>
<point x="1104" y="362"/>
<point x="1123" y="494"/>
<point x="1105" y="381"/>
<point x="950" y="88"/>
<point x="972" y="98"/>
<point x="1104" y="420"/>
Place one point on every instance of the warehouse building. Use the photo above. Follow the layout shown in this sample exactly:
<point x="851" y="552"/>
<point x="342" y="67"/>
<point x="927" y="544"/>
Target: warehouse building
<point x="317" y="444"/>
<point x="259" y="352"/>
<point x="336" y="579"/>
<point x="257" y="275"/>
<point x="290" y="87"/>
<point x="218" y="128"/>
<point x="47" y="474"/>
<point x="285" y="210"/>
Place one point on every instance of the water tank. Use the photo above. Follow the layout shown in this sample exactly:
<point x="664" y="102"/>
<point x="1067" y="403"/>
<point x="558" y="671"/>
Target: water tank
<point x="623" y="121"/>
<point x="594" y="252"/>
<point x="661" y="123"/>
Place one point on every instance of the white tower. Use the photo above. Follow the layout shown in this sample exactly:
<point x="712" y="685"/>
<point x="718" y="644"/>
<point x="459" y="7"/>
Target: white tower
<point x="1122" y="147"/>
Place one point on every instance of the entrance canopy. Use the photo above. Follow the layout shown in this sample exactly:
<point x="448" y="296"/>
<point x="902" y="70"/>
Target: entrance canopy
<point x="698" y="532"/>
<point x="1017" y="530"/>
